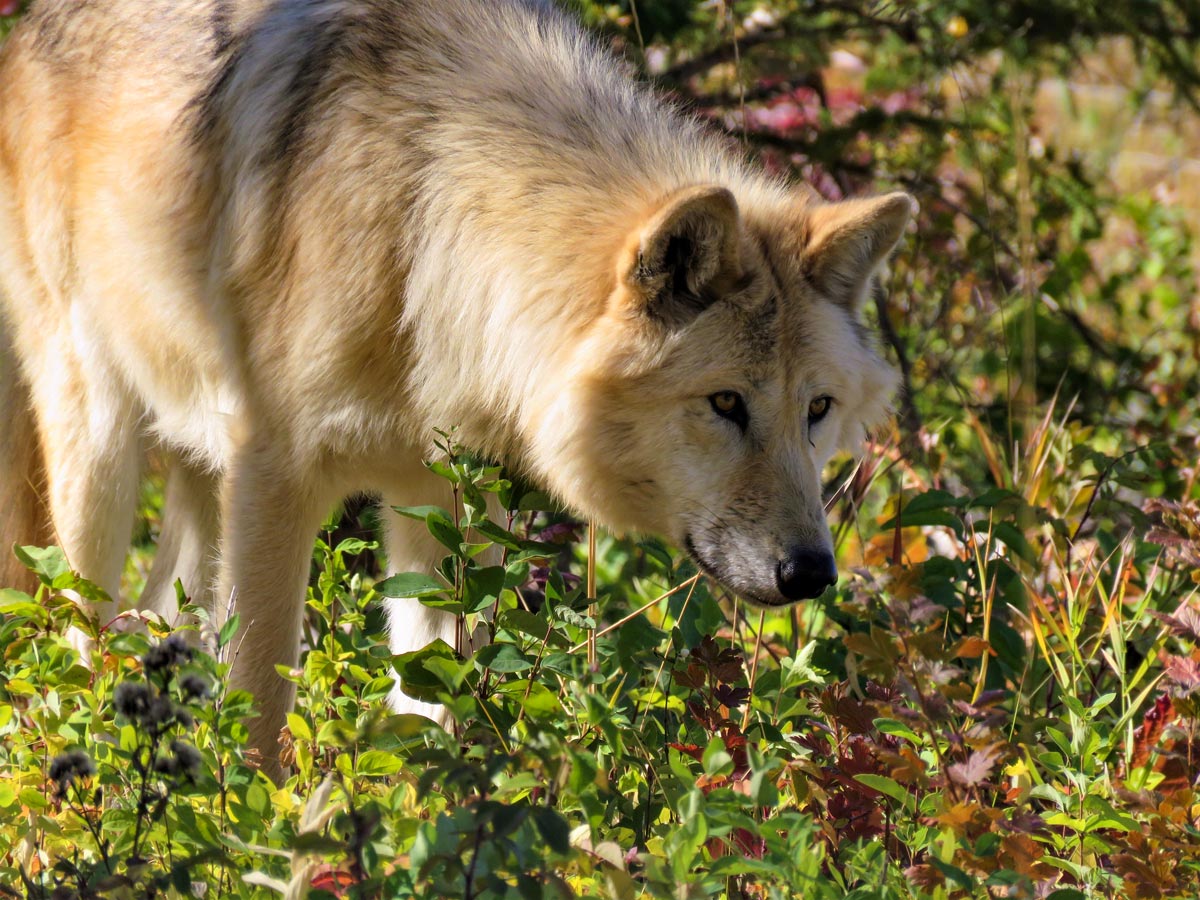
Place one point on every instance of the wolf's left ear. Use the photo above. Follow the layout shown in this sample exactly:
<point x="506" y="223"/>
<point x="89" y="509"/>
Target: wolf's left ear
<point x="677" y="260"/>
<point x="848" y="242"/>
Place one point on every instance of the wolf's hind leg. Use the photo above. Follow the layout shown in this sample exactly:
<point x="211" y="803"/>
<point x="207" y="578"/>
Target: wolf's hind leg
<point x="24" y="518"/>
<point x="187" y="543"/>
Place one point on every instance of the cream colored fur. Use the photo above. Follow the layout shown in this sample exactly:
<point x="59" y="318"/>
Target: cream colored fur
<point x="285" y="241"/>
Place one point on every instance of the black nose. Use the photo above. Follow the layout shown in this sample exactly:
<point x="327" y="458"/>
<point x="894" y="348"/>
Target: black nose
<point x="804" y="574"/>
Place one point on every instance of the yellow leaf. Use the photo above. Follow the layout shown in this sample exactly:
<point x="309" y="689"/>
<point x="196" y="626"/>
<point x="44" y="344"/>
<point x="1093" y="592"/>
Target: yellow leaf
<point x="958" y="815"/>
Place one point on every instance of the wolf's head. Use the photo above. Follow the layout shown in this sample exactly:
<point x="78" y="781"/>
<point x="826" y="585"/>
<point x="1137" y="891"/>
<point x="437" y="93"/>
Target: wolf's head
<point x="728" y="367"/>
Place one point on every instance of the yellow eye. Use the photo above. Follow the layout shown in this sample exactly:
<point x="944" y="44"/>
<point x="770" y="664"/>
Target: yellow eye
<point x="725" y="401"/>
<point x="819" y="408"/>
<point x="730" y="405"/>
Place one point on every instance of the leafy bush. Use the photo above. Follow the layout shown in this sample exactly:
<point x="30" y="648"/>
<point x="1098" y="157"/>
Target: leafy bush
<point x="966" y="725"/>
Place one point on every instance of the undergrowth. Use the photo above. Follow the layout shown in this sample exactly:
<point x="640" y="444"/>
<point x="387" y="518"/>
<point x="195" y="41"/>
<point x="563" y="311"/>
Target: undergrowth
<point x="998" y="707"/>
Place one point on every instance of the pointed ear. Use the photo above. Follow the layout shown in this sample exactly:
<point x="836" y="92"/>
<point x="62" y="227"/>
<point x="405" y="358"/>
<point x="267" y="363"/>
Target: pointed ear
<point x="676" y="263"/>
<point x="849" y="241"/>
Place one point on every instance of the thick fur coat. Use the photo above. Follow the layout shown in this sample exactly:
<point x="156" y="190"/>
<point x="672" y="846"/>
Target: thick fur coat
<point x="285" y="241"/>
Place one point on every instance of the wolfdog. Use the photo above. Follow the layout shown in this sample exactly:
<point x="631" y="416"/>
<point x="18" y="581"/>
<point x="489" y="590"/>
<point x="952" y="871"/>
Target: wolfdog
<point x="284" y="240"/>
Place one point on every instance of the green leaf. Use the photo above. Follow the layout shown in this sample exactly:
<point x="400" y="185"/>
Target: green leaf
<point x="421" y="513"/>
<point x="925" y="517"/>
<point x="1012" y="538"/>
<point x="355" y="545"/>
<point x="409" y="584"/>
<point x="229" y="629"/>
<point x="450" y="672"/>
<point x="930" y="508"/>
<point x="48" y="563"/>
<point x="33" y="798"/>
<point x="886" y="786"/>
<point x="536" y="699"/>
<point x="522" y="621"/>
<point x="446" y="532"/>
<point x="20" y="605"/>
<point x="299" y="728"/>
<point x="554" y="829"/>
<point x="482" y="587"/>
<point x="503" y="658"/>
<point x="1104" y="816"/>
<point x="571" y="617"/>
<point x="995" y="497"/>
<point x="716" y="759"/>
<point x="378" y="762"/>
<point x="444" y="470"/>
<point x="417" y="678"/>
<point x="935" y="499"/>
<point x="536" y="501"/>
<point x="497" y="535"/>
<point x="898" y="729"/>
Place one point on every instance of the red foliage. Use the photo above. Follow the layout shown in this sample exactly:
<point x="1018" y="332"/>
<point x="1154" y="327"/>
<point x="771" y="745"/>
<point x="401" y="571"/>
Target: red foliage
<point x="1146" y="736"/>
<point x="332" y="880"/>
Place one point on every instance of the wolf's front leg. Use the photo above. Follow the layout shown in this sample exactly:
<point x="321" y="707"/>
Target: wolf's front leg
<point x="411" y="548"/>
<point x="270" y="514"/>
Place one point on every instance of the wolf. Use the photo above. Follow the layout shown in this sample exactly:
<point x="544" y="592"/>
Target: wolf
<point x="282" y="242"/>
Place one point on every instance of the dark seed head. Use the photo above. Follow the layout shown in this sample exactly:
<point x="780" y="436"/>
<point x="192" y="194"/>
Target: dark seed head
<point x="67" y="767"/>
<point x="194" y="687"/>
<point x="161" y="713"/>
<point x="170" y="653"/>
<point x="188" y="757"/>
<point x="131" y="699"/>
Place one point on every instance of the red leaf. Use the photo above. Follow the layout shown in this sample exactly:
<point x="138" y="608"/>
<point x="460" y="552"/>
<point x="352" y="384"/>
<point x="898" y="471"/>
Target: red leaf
<point x="855" y="717"/>
<point x="1146" y="735"/>
<point x="332" y="880"/>
<point x="695" y="751"/>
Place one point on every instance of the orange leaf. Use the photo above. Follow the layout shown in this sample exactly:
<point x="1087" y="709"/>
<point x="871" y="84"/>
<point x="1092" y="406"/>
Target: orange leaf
<point x="970" y="647"/>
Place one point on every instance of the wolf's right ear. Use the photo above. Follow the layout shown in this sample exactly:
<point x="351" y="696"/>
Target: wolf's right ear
<point x="850" y="240"/>
<point x="676" y="262"/>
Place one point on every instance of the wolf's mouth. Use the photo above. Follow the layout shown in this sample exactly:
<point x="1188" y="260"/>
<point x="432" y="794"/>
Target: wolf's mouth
<point x="712" y="572"/>
<point x="698" y="558"/>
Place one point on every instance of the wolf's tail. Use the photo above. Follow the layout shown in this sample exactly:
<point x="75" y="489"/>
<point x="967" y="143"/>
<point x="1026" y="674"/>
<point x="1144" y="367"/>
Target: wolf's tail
<point x="23" y="514"/>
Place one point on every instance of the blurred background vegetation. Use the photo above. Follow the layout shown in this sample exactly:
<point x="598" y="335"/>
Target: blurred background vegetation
<point x="1055" y="149"/>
